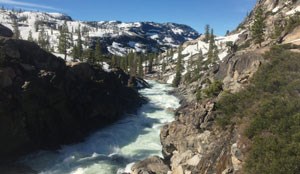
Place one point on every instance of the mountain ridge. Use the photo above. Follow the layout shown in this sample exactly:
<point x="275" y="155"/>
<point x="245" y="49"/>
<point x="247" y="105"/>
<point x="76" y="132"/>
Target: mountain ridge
<point x="143" y="36"/>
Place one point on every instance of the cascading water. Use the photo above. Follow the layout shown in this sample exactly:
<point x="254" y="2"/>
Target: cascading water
<point x="114" y="149"/>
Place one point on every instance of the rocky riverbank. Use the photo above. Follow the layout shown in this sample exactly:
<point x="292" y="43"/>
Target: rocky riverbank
<point x="194" y="142"/>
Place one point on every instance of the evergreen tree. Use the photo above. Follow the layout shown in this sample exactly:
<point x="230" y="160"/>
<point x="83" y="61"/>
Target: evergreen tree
<point x="135" y="64"/>
<point x="16" y="29"/>
<point x="63" y="40"/>
<point x="215" y="54"/>
<point x="141" y="69"/>
<point x="90" y="56"/>
<point x="79" y="44"/>
<point x="113" y="61"/>
<point x="211" y="48"/>
<point x="199" y="61"/>
<point x="75" y="53"/>
<point x="132" y="63"/>
<point x="30" y="38"/>
<point x="71" y="39"/>
<point x="163" y="66"/>
<point x="43" y="40"/>
<point x="227" y="32"/>
<point x="125" y="64"/>
<point x="98" y="53"/>
<point x="150" y="64"/>
<point x="257" y="29"/>
<point x="179" y="69"/>
<point x="207" y="34"/>
<point x="36" y="26"/>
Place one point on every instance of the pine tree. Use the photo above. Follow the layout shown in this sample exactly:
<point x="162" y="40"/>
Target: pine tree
<point x="63" y="40"/>
<point x="79" y="44"/>
<point x="141" y="69"/>
<point x="98" y="53"/>
<point x="207" y="34"/>
<point x="199" y="61"/>
<point x="16" y="29"/>
<point x="125" y="64"/>
<point x="150" y="65"/>
<point x="179" y="69"/>
<point x="227" y="32"/>
<point x="215" y="54"/>
<point x="71" y="40"/>
<point x="90" y="55"/>
<point x="43" y="40"/>
<point x="210" y="53"/>
<point x="113" y="61"/>
<point x="75" y="53"/>
<point x="132" y="63"/>
<point x="30" y="38"/>
<point x="36" y="26"/>
<point x="163" y="66"/>
<point x="257" y="29"/>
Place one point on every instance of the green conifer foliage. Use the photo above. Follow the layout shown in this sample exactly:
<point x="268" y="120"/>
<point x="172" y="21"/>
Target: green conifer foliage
<point x="257" y="29"/>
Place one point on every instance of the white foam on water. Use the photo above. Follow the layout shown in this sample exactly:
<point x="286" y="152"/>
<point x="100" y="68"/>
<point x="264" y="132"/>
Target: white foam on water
<point x="114" y="149"/>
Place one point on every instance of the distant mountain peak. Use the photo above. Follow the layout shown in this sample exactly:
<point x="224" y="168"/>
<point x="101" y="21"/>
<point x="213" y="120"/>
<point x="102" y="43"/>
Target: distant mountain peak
<point x="116" y="37"/>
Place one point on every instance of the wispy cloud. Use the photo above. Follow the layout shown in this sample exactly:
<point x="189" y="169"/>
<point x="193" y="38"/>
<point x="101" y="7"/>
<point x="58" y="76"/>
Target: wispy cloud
<point x="27" y="4"/>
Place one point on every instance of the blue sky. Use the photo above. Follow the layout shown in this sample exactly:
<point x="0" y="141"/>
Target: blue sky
<point x="222" y="15"/>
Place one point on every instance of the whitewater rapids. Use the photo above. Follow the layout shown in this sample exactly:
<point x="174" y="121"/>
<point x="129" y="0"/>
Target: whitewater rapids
<point x="114" y="149"/>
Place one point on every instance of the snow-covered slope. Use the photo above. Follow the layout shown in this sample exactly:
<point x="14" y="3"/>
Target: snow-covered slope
<point x="193" y="49"/>
<point x="116" y="37"/>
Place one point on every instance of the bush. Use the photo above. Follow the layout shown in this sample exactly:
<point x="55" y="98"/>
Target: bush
<point x="244" y="45"/>
<point x="292" y="22"/>
<point x="214" y="89"/>
<point x="274" y="112"/>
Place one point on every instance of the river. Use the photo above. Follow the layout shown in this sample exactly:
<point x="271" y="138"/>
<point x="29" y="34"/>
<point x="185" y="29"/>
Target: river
<point x="114" y="149"/>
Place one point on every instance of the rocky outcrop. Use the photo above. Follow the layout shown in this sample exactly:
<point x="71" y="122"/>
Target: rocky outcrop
<point x="237" y="69"/>
<point x="5" y="32"/>
<point x="45" y="103"/>
<point x="280" y="18"/>
<point x="151" y="165"/>
<point x="194" y="143"/>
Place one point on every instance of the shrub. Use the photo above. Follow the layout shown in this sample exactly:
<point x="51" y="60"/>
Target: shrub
<point x="274" y="112"/>
<point x="214" y="89"/>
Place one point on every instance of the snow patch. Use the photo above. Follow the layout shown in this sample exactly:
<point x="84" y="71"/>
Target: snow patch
<point x="275" y="10"/>
<point x="177" y="31"/>
<point x="105" y="67"/>
<point x="171" y="79"/>
<point x="293" y="11"/>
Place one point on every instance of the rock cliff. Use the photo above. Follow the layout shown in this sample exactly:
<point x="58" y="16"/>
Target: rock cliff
<point x="45" y="103"/>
